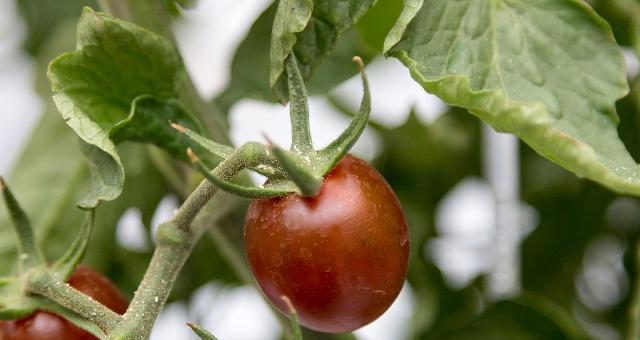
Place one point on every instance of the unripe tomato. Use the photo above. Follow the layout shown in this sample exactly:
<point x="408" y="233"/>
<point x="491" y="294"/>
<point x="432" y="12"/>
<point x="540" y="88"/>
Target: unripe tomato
<point x="47" y="326"/>
<point x="341" y="257"/>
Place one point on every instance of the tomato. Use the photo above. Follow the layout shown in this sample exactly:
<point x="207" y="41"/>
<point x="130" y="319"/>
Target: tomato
<point x="341" y="257"/>
<point x="47" y="326"/>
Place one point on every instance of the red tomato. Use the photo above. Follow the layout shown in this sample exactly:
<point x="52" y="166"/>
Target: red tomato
<point x="47" y="326"/>
<point x="341" y="257"/>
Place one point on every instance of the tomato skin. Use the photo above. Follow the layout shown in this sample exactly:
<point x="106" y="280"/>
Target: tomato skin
<point x="341" y="257"/>
<point x="46" y="326"/>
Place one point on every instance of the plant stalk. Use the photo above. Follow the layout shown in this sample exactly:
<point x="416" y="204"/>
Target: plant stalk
<point x="41" y="282"/>
<point x="175" y="241"/>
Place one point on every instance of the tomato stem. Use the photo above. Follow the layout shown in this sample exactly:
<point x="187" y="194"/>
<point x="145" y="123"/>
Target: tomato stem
<point x="39" y="281"/>
<point x="334" y="152"/>
<point x="300" y="173"/>
<point x="298" y="107"/>
<point x="238" y="190"/>
<point x="175" y="241"/>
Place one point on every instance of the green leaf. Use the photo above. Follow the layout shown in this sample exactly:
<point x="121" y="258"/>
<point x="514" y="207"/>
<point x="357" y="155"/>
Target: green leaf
<point x="291" y="17"/>
<point x="94" y="86"/>
<point x="548" y="71"/>
<point x="149" y="121"/>
<point x="107" y="174"/>
<point x="411" y="8"/>
<point x="312" y="36"/>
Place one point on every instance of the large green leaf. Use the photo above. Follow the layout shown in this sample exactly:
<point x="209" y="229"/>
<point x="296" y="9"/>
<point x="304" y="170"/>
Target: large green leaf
<point x="311" y="31"/>
<point x="94" y="86"/>
<point x="548" y="71"/>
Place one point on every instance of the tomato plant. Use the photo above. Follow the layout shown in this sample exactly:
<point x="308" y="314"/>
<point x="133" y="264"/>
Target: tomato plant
<point x="509" y="240"/>
<point x="45" y="326"/>
<point x="340" y="256"/>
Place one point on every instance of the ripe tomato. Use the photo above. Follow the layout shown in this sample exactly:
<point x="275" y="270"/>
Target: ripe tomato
<point x="47" y="326"/>
<point x="340" y="257"/>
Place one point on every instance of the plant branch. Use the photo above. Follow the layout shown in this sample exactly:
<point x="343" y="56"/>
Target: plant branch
<point x="41" y="282"/>
<point x="299" y="107"/>
<point x="175" y="241"/>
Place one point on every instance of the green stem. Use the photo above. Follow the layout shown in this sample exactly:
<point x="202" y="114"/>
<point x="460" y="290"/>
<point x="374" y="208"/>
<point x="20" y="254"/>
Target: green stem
<point x="28" y="254"/>
<point x="299" y="108"/>
<point x="175" y="241"/>
<point x="41" y="282"/>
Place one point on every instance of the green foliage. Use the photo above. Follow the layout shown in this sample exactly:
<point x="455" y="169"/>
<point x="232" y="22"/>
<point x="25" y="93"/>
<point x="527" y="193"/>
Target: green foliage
<point x="148" y="123"/>
<point x="291" y="18"/>
<point x="548" y="71"/>
<point x="95" y="87"/>
<point x="497" y="65"/>
<point x="309" y="30"/>
<point x="251" y="68"/>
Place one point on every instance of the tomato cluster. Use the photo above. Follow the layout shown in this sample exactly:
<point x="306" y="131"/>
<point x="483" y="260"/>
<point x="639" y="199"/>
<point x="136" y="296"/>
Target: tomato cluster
<point x="340" y="257"/>
<point x="46" y="326"/>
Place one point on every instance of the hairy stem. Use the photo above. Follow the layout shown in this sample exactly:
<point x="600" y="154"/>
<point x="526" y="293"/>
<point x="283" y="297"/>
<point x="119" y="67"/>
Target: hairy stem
<point x="175" y="241"/>
<point x="42" y="283"/>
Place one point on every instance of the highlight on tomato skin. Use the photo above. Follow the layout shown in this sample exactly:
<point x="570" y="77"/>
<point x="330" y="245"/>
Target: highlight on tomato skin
<point x="47" y="326"/>
<point x="341" y="257"/>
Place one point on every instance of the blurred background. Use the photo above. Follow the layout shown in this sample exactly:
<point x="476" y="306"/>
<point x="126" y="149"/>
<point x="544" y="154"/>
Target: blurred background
<point x="566" y="241"/>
